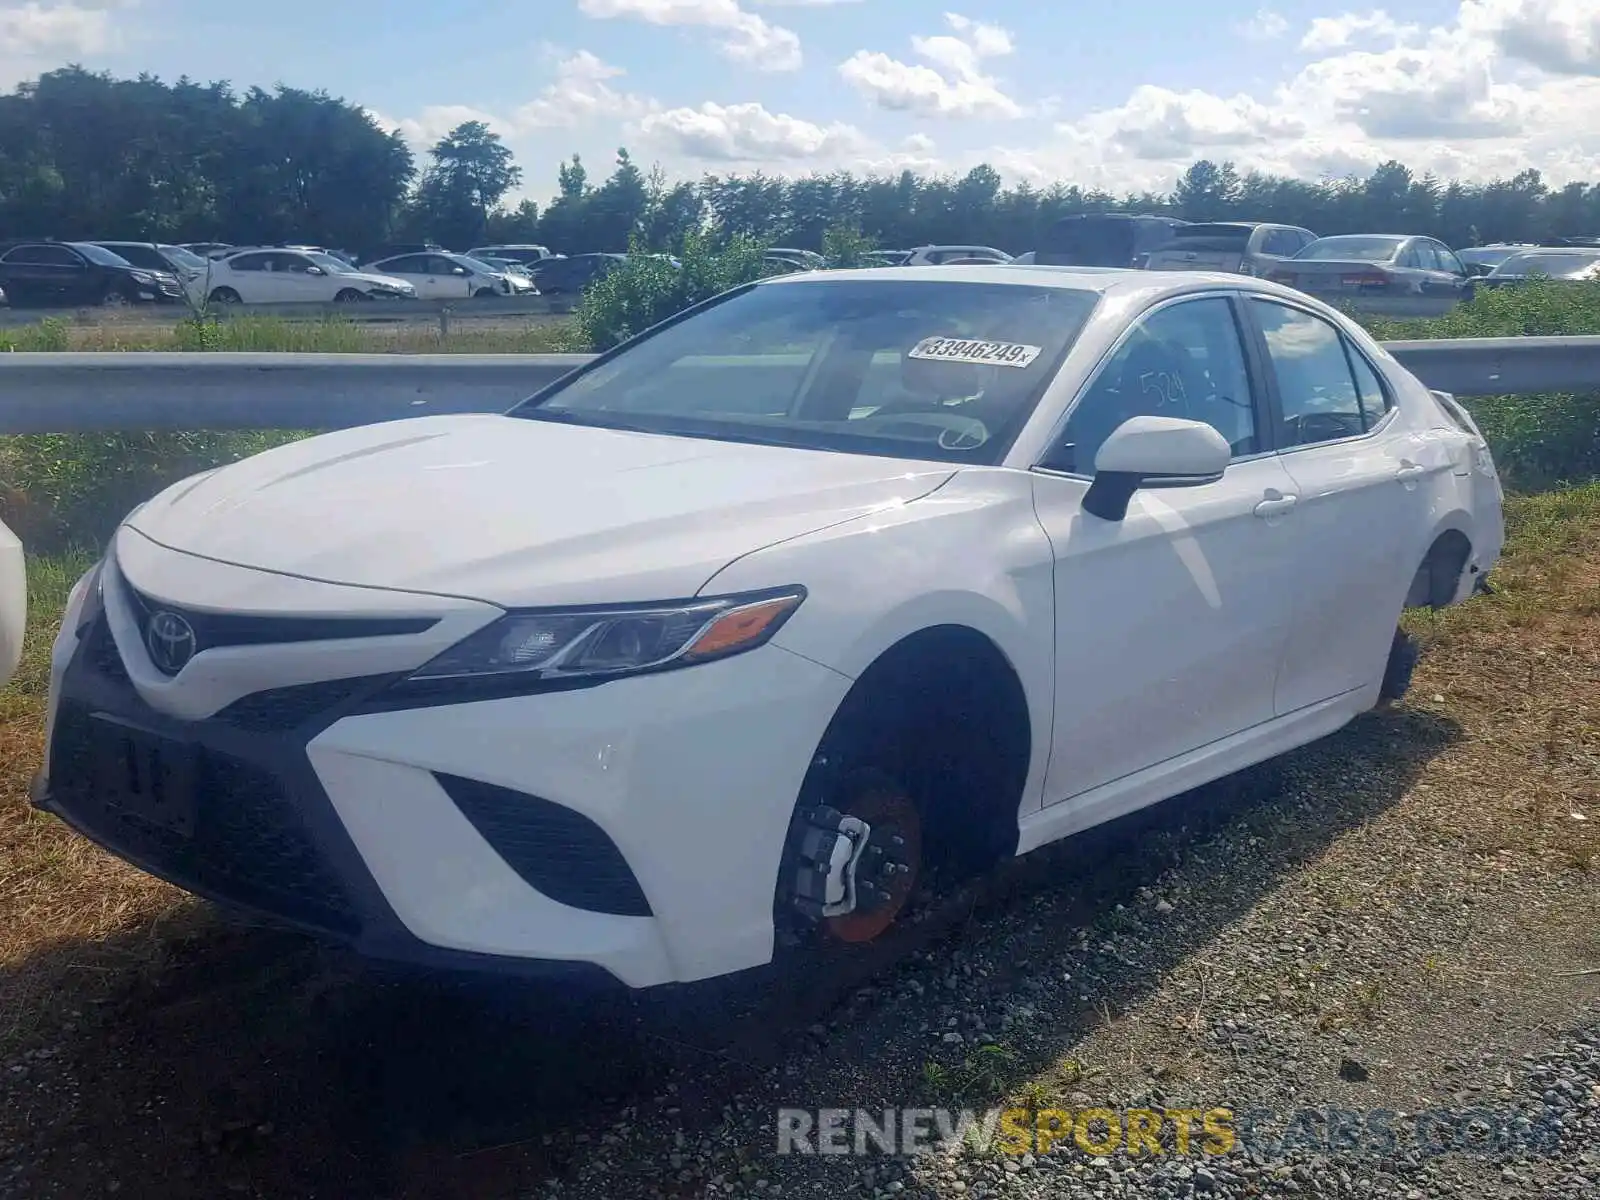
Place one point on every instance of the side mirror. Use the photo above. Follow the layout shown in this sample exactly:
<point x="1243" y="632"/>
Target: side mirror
<point x="458" y="270"/>
<point x="1153" y="452"/>
<point x="315" y="271"/>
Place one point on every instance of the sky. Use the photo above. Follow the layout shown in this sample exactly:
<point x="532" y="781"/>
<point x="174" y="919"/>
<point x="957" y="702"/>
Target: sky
<point x="1120" y="95"/>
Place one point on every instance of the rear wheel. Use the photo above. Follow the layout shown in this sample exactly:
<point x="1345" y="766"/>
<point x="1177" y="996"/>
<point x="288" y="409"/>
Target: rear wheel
<point x="224" y="295"/>
<point x="1403" y="655"/>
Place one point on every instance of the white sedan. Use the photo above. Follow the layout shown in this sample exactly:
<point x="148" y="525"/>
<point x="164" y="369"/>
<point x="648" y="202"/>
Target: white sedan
<point x="13" y="602"/>
<point x="846" y="583"/>
<point x="266" y="276"/>
<point x="439" y="275"/>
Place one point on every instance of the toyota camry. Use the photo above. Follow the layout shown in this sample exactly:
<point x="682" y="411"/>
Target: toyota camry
<point x="767" y="625"/>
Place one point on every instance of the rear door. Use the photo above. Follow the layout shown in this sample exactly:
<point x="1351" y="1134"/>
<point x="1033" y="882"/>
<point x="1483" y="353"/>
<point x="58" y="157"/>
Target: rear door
<point x="412" y="268"/>
<point x="1363" y="484"/>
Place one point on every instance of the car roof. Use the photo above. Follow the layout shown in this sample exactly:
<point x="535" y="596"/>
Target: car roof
<point x="1103" y="280"/>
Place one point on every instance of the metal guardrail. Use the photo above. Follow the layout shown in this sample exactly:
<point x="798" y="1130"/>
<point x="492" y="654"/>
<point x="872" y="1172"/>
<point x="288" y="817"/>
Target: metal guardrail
<point x="376" y="311"/>
<point x="90" y="392"/>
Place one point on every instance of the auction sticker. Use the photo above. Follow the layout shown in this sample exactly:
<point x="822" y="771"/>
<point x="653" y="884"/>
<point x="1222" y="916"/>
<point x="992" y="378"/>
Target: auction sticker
<point x="963" y="350"/>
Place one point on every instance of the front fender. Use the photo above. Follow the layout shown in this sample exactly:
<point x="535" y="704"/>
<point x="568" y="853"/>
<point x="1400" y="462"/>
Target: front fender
<point x="970" y="554"/>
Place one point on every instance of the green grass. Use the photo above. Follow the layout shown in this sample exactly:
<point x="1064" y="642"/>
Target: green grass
<point x="333" y="335"/>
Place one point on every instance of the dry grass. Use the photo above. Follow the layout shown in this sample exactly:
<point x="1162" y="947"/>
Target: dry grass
<point x="67" y="909"/>
<point x="1520" y="672"/>
<point x="334" y="335"/>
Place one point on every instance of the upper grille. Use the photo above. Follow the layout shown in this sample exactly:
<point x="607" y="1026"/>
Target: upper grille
<point x="241" y="629"/>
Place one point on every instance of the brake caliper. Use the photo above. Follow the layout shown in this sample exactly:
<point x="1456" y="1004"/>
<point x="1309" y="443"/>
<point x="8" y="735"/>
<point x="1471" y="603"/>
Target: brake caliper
<point x="839" y="869"/>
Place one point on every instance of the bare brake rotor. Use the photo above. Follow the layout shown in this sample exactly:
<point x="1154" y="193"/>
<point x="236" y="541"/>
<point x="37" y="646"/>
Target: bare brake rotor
<point x="859" y="866"/>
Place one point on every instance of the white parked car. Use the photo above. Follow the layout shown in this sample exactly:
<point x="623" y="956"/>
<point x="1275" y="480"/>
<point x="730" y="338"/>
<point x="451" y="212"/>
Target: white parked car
<point x="270" y="276"/>
<point x="440" y="275"/>
<point x="527" y="253"/>
<point x="933" y="256"/>
<point x="846" y="583"/>
<point x="13" y="602"/>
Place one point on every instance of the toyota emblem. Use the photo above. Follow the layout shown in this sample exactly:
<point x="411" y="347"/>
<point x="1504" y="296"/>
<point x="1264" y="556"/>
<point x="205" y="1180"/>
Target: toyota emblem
<point x="170" y="640"/>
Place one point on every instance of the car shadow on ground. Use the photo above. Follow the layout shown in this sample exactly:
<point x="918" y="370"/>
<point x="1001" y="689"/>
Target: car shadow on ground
<point x="259" y="1063"/>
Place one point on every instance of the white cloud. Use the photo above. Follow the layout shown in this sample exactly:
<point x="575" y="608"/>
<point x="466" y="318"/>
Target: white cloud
<point x="954" y="86"/>
<point x="747" y="38"/>
<point x="748" y="133"/>
<point x="1333" y="33"/>
<point x="1264" y="26"/>
<point x="1558" y="36"/>
<point x="581" y="92"/>
<point x="40" y="36"/>
<point x="1501" y="86"/>
<point x="803" y="3"/>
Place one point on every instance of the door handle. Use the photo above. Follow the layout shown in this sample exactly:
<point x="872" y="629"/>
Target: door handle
<point x="1275" y="505"/>
<point x="1410" y="471"/>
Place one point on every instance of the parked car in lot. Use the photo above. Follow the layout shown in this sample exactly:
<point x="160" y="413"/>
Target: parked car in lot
<point x="208" y="249"/>
<point x="1570" y="266"/>
<point x="52" y="274"/>
<point x="932" y="256"/>
<point x="845" y="586"/>
<point x="13" y="602"/>
<point x="1405" y="274"/>
<point x="1248" y="247"/>
<point x="1480" y="260"/>
<point x="511" y="265"/>
<point x="1104" y="239"/>
<point x="190" y="268"/>
<point x="523" y="252"/>
<point x="570" y="276"/>
<point x="295" y="276"/>
<point x="887" y="258"/>
<point x="440" y="275"/>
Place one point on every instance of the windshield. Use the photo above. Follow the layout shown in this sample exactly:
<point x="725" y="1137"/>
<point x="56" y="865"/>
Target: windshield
<point x="903" y="368"/>
<point x="100" y="255"/>
<point x="476" y="264"/>
<point x="1353" y="249"/>
<point x="183" y="257"/>
<point x="1548" y="264"/>
<point x="329" y="263"/>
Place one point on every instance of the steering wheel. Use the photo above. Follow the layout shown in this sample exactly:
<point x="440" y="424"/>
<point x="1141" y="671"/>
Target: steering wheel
<point x="951" y="431"/>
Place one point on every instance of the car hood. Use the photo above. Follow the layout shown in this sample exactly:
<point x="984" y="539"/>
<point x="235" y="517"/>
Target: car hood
<point x="519" y="512"/>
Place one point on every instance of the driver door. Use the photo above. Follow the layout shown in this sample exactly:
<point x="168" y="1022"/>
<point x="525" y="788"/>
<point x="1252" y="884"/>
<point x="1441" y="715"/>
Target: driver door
<point x="1171" y="623"/>
<point x="447" y="280"/>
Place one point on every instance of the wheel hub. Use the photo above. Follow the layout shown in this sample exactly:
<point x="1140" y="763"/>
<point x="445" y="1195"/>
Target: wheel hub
<point x="857" y="869"/>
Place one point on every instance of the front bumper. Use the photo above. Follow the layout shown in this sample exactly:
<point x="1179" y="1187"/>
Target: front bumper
<point x="631" y="829"/>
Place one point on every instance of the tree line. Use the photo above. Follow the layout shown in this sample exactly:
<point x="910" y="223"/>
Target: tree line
<point x="83" y="154"/>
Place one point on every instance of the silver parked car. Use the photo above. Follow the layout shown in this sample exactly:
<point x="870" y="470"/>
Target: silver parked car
<point x="1240" y="247"/>
<point x="1575" y="265"/>
<point x="1389" y="273"/>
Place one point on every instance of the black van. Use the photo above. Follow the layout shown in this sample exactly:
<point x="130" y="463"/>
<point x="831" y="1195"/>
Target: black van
<point x="1104" y="239"/>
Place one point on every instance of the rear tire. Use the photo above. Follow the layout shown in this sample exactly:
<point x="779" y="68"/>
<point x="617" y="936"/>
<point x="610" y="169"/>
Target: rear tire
<point x="1403" y="655"/>
<point x="224" y="295"/>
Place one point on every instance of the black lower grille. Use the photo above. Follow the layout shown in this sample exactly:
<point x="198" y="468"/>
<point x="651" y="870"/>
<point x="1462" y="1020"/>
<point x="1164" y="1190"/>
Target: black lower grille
<point x="281" y="710"/>
<point x="248" y="843"/>
<point x="558" y="851"/>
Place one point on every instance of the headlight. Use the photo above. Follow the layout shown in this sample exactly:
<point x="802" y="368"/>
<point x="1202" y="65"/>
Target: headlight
<point x="557" y="645"/>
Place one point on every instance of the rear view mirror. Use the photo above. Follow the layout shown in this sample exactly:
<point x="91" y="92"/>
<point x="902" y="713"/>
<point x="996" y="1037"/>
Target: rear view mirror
<point x="1151" y="452"/>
